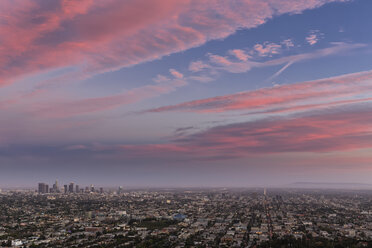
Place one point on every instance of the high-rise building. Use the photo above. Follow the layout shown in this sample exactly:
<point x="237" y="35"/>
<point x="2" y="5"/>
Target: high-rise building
<point x="92" y="188"/>
<point x="55" y="187"/>
<point x="120" y="190"/>
<point x="101" y="190"/>
<point x="43" y="188"/>
<point x="65" y="187"/>
<point x="77" y="190"/>
<point x="71" y="188"/>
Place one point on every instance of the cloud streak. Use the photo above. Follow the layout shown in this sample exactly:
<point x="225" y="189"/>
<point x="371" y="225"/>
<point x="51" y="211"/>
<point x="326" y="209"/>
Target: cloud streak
<point x="293" y="97"/>
<point x="332" y="130"/>
<point x="176" y="79"/>
<point x="91" y="105"/>
<point x="37" y="37"/>
<point x="225" y="63"/>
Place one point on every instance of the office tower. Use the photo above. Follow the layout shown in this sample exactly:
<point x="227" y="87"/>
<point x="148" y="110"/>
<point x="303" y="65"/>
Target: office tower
<point x="101" y="190"/>
<point x="265" y="192"/>
<point x="92" y="188"/>
<point x="41" y="188"/>
<point x="86" y="189"/>
<point x="71" y="188"/>
<point x="120" y="189"/>
<point x="77" y="190"/>
<point x="55" y="187"/>
<point x="65" y="186"/>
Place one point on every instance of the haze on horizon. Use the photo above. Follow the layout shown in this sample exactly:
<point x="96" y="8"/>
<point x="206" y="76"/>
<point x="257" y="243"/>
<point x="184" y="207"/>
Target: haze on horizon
<point x="185" y="93"/>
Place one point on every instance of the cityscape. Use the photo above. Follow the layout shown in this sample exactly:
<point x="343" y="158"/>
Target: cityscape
<point x="220" y="217"/>
<point x="43" y="188"/>
<point x="185" y="123"/>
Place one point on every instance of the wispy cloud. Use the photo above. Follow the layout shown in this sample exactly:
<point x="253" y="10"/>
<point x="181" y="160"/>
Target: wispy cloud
<point x="166" y="84"/>
<point x="288" y="43"/>
<point x="176" y="73"/>
<point x="244" y="64"/>
<point x="314" y="37"/>
<point x="330" y="130"/>
<point x="91" y="105"/>
<point x="197" y="66"/>
<point x="326" y="91"/>
<point x="240" y="54"/>
<point x="90" y="34"/>
<point x="267" y="49"/>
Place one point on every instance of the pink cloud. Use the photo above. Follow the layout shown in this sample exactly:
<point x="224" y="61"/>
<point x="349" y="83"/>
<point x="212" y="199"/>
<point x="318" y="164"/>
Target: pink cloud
<point x="288" y="43"/>
<point x="267" y="49"/>
<point x="307" y="107"/>
<point x="226" y="63"/>
<point x="316" y="132"/>
<point x="176" y="73"/>
<point x="293" y="97"/>
<point x="240" y="54"/>
<point x="197" y="66"/>
<point x="39" y="36"/>
<point x="314" y="37"/>
<point x="91" y="105"/>
<point x="332" y="130"/>
<point x="20" y="97"/>
<point x="161" y="79"/>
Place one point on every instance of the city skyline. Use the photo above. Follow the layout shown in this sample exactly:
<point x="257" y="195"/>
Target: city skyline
<point x="186" y="93"/>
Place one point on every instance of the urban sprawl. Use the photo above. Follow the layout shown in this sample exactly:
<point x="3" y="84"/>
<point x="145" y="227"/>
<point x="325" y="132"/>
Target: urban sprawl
<point x="69" y="216"/>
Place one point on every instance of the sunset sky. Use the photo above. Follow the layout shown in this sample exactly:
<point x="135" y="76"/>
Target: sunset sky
<point x="185" y="92"/>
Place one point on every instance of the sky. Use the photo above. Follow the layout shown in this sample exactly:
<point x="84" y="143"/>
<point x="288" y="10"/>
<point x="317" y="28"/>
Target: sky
<point x="185" y="93"/>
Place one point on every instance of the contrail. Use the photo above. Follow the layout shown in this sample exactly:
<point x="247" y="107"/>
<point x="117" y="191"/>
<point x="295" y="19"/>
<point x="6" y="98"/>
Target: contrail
<point x="280" y="71"/>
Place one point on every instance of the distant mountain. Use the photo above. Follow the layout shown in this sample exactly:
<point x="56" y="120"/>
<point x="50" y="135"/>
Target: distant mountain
<point x="322" y="185"/>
